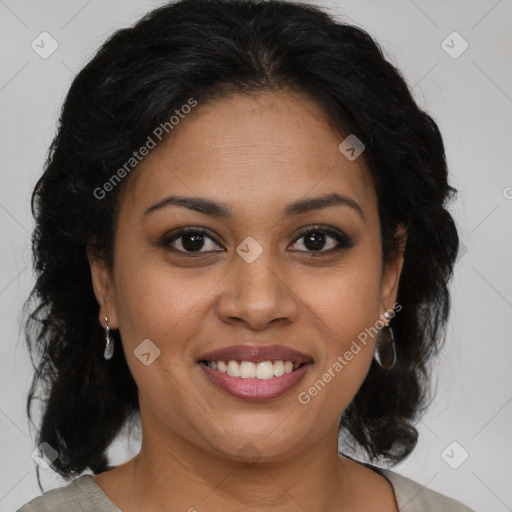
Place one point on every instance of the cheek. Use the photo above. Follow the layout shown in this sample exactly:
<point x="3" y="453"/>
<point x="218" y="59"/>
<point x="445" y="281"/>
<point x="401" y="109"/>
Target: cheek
<point x="164" y="306"/>
<point x="160" y="303"/>
<point x="346" y="300"/>
<point x="346" y="307"/>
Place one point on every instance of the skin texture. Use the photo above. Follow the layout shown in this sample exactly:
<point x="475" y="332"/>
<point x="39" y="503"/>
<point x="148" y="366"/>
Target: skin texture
<point x="256" y="154"/>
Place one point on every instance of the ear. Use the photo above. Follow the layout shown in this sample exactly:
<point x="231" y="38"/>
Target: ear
<point x="393" y="270"/>
<point x="103" y="288"/>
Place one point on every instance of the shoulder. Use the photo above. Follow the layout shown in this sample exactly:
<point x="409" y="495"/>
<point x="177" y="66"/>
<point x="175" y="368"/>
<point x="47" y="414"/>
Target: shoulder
<point x="414" y="497"/>
<point x="80" y="495"/>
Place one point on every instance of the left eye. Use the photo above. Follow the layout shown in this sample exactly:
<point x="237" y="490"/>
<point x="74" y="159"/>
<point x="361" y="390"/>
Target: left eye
<point x="315" y="239"/>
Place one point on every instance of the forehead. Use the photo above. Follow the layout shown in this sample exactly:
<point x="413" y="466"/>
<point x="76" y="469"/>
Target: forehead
<point x="252" y="151"/>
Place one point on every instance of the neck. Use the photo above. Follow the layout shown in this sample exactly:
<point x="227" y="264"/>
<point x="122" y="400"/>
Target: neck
<point x="182" y="476"/>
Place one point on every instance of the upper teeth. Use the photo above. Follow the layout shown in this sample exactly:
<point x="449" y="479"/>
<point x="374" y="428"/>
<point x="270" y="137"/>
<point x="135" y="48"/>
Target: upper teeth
<point x="250" y="370"/>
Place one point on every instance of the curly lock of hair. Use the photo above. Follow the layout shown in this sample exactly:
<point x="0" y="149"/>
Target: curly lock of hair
<point x="138" y="78"/>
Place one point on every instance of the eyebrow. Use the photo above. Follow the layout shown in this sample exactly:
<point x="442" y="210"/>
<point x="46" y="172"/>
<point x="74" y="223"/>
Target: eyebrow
<point x="222" y="210"/>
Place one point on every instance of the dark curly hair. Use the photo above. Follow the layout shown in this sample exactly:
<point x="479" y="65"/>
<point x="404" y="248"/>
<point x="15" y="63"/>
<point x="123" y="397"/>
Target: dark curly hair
<point x="208" y="49"/>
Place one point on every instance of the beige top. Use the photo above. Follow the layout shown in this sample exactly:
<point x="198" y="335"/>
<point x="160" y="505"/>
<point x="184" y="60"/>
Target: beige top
<point x="84" y="495"/>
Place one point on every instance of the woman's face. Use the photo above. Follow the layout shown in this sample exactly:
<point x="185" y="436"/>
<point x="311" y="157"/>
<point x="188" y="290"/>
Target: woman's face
<point x="253" y="279"/>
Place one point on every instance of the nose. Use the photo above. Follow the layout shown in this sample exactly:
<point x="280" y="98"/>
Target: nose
<point x="258" y="294"/>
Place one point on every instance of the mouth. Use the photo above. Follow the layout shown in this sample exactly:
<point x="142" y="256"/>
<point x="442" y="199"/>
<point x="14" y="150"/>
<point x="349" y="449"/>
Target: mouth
<point x="262" y="370"/>
<point x="252" y="372"/>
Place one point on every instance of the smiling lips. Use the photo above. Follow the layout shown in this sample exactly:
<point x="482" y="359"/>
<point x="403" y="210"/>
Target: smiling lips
<point x="255" y="372"/>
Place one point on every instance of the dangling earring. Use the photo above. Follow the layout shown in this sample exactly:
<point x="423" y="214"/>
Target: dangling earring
<point x="109" y="342"/>
<point x="385" y="351"/>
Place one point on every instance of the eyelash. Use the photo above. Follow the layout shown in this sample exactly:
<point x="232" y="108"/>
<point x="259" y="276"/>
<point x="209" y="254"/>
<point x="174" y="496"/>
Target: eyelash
<point x="344" y="242"/>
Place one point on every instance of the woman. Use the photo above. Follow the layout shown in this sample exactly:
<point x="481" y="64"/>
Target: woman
<point x="241" y="235"/>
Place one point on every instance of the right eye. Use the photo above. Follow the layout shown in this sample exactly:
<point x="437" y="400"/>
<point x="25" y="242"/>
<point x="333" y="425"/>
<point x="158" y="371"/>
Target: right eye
<point x="190" y="240"/>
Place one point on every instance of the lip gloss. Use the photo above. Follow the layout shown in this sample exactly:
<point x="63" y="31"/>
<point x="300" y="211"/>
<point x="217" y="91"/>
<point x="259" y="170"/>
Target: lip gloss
<point x="255" y="389"/>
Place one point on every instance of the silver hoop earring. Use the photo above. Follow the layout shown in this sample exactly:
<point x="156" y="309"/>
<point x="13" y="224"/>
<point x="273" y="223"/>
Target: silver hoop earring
<point x="385" y="350"/>
<point x="109" y="342"/>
